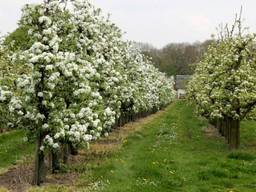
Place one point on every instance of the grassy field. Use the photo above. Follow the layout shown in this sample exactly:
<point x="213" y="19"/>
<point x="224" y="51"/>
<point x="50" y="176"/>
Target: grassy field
<point x="13" y="148"/>
<point x="171" y="153"/>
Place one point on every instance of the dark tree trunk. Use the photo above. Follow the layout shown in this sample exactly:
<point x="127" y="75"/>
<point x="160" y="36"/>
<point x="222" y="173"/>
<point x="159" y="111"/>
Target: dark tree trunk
<point x="229" y="130"/>
<point x="222" y="127"/>
<point x="73" y="149"/>
<point x="214" y="123"/>
<point x="218" y="124"/>
<point x="234" y="134"/>
<point x="225" y="128"/>
<point x="55" y="162"/>
<point x="40" y="168"/>
<point x="65" y="153"/>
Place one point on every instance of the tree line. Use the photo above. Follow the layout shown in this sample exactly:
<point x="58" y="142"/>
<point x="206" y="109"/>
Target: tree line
<point x="176" y="58"/>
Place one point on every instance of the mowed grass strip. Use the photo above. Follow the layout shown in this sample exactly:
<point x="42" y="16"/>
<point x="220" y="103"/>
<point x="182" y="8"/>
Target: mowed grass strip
<point x="173" y="153"/>
<point x="13" y="148"/>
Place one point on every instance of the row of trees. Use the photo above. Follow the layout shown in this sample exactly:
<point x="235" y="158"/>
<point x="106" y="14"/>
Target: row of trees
<point x="223" y="86"/>
<point x="77" y="80"/>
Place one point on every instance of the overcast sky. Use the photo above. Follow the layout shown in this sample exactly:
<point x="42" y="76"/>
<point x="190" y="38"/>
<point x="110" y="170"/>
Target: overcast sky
<point x="156" y="21"/>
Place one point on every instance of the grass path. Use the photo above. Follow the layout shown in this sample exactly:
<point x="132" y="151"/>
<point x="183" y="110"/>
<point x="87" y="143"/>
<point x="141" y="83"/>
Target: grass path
<point x="172" y="153"/>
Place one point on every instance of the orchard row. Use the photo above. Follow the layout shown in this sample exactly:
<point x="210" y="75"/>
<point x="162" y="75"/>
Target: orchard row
<point x="224" y="84"/>
<point x="79" y="79"/>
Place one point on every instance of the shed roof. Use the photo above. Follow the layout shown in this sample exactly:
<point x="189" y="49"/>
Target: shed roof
<point x="181" y="81"/>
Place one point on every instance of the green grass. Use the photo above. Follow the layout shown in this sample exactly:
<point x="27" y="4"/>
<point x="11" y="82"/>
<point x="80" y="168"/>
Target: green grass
<point x="13" y="148"/>
<point x="171" y="153"/>
<point x="248" y="134"/>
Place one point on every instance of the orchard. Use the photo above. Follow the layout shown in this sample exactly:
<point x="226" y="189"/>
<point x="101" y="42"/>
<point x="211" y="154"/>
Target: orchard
<point x="83" y="109"/>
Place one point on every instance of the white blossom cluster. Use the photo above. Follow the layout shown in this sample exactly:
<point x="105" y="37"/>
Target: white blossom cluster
<point x="83" y="77"/>
<point x="5" y="94"/>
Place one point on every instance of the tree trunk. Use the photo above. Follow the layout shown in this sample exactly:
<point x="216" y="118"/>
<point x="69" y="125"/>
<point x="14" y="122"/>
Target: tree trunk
<point x="222" y="127"/>
<point x="73" y="149"/>
<point x="234" y="134"/>
<point x="55" y="162"/>
<point x="225" y="128"/>
<point x="213" y="123"/>
<point x="229" y="124"/>
<point x="40" y="171"/>
<point x="65" y="153"/>
<point x="218" y="124"/>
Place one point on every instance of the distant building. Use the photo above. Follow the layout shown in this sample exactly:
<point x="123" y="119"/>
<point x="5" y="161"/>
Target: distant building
<point x="180" y="85"/>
